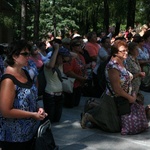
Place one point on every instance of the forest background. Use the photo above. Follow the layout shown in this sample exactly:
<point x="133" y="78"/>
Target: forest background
<point x="33" y="19"/>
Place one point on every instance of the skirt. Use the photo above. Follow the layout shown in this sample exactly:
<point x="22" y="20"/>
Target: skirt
<point x="106" y="114"/>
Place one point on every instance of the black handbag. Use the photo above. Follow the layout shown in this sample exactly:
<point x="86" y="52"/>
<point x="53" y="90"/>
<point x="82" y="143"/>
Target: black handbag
<point x="123" y="105"/>
<point x="45" y="139"/>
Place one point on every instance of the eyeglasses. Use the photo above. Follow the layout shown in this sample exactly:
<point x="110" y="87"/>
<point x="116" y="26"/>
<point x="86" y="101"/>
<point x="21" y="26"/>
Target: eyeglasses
<point x="26" y="54"/>
<point x="124" y="51"/>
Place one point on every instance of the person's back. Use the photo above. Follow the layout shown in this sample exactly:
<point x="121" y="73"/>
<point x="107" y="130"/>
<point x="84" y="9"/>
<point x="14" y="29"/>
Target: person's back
<point x="92" y="46"/>
<point x="99" y="70"/>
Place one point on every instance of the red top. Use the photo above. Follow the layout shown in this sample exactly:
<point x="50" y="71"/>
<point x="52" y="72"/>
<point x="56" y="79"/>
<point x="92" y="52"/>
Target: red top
<point x="92" y="48"/>
<point x="77" y="65"/>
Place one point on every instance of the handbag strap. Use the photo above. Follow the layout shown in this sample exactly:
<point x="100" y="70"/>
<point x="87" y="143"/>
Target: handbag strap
<point x="110" y="89"/>
<point x="58" y="73"/>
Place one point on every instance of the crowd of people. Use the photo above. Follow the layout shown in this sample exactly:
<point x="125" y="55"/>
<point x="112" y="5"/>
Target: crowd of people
<point x="102" y="66"/>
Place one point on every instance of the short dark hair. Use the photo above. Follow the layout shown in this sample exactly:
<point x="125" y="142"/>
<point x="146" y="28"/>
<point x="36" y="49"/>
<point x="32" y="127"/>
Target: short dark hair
<point x="74" y="42"/>
<point x="15" y="48"/>
<point x="137" y="38"/>
<point x="90" y="34"/>
<point x="103" y="40"/>
<point x="146" y="35"/>
<point x="132" y="46"/>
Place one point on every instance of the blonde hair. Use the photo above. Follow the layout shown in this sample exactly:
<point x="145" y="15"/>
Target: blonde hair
<point x="144" y="26"/>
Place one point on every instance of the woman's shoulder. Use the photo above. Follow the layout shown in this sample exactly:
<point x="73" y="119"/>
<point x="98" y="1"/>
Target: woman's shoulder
<point x="9" y="80"/>
<point x="15" y="81"/>
<point x="113" y="64"/>
<point x="8" y="76"/>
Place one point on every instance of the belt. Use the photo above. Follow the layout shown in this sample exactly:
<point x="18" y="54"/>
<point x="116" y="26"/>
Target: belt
<point x="55" y="93"/>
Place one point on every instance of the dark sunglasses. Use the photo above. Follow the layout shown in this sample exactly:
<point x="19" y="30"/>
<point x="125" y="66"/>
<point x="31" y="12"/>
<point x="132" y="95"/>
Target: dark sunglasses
<point x="26" y="54"/>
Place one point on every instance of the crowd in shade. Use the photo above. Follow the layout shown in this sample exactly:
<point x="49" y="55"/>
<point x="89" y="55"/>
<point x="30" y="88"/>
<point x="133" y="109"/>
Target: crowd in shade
<point x="102" y="66"/>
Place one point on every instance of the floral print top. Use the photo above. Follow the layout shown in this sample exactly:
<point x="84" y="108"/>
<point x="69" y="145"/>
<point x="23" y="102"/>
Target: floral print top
<point x="147" y="46"/>
<point x="133" y="66"/>
<point x="22" y="129"/>
<point x="143" y="54"/>
<point x="125" y="77"/>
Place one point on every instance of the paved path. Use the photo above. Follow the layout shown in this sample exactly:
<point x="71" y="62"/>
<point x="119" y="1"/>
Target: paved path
<point x="70" y="136"/>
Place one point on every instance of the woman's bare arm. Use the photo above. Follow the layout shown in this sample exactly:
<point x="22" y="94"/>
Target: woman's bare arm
<point x="7" y="95"/>
<point x="115" y="83"/>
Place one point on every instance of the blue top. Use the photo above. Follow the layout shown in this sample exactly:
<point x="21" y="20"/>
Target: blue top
<point x="20" y="130"/>
<point x="1" y="66"/>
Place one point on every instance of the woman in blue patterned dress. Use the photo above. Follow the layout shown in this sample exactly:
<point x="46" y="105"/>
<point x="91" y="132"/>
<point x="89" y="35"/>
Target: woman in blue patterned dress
<point x="19" y="115"/>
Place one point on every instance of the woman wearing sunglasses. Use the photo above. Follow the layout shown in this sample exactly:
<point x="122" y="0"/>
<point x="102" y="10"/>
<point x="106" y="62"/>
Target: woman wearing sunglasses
<point x="19" y="115"/>
<point x="76" y="69"/>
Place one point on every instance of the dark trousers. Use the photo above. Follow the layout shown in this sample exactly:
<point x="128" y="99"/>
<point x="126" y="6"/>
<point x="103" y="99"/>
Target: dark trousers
<point x="53" y="106"/>
<point x="18" y="145"/>
<point x="72" y="99"/>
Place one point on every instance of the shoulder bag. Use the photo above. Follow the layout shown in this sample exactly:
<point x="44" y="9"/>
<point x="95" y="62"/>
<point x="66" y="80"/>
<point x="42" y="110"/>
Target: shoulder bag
<point x="68" y="84"/>
<point x="122" y="103"/>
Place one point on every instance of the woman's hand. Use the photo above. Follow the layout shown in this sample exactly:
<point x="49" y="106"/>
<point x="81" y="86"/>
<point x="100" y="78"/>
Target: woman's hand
<point x="133" y="98"/>
<point x="40" y="115"/>
<point x="142" y="74"/>
<point x="56" y="46"/>
<point x="42" y="112"/>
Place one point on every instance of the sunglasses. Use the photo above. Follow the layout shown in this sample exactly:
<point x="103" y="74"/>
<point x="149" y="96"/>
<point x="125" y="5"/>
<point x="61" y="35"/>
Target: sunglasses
<point x="26" y="54"/>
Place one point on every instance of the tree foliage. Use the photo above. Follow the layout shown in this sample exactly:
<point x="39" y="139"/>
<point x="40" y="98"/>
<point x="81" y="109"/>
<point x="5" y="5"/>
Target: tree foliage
<point x="81" y="15"/>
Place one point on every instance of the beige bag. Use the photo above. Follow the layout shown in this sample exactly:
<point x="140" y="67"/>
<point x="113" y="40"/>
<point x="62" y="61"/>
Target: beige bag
<point x="68" y="84"/>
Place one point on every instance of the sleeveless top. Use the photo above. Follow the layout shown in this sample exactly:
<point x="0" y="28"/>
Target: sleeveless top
<point x="24" y="129"/>
<point x="125" y="77"/>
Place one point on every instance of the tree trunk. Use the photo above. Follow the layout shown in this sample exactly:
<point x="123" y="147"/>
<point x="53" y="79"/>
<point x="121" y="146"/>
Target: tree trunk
<point x="131" y="13"/>
<point x="23" y="19"/>
<point x="36" y="20"/>
<point x="54" y="20"/>
<point x="106" y="16"/>
<point x="117" y="29"/>
<point x="87" y="23"/>
<point x="94" y="18"/>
